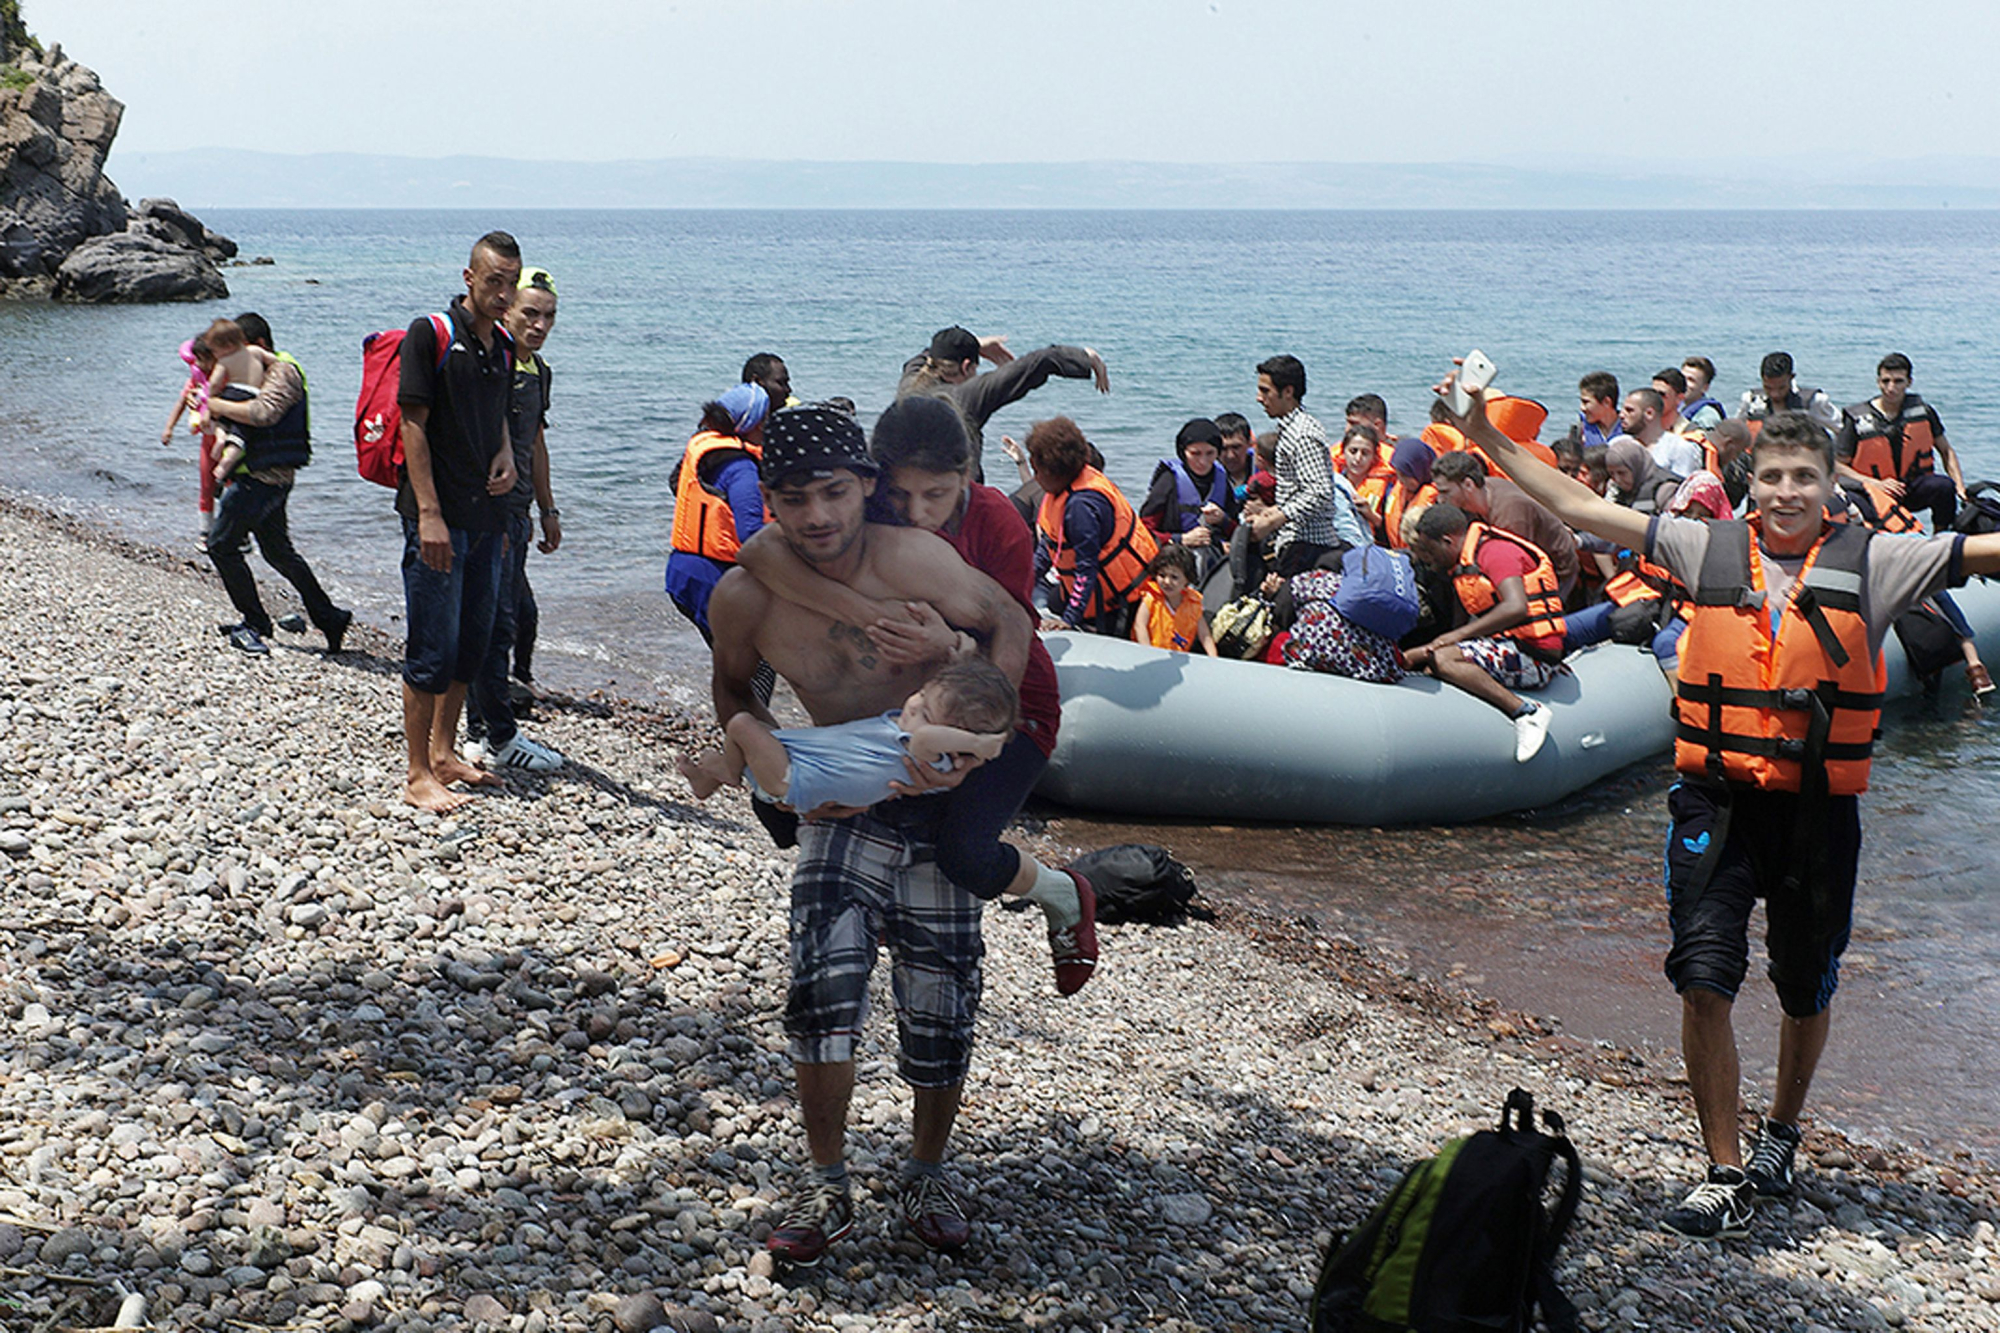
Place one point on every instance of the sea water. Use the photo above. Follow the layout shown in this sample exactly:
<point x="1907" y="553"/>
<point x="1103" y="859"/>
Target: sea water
<point x="659" y="310"/>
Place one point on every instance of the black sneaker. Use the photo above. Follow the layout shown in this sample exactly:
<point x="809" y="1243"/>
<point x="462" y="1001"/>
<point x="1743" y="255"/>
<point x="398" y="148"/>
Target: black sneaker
<point x="246" y="640"/>
<point x="815" y="1221"/>
<point x="1769" y="1169"/>
<point x="1720" y="1206"/>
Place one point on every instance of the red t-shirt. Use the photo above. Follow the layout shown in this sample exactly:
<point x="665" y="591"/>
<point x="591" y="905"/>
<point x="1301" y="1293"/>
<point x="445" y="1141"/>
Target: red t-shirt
<point x="994" y="539"/>
<point x="1502" y="559"/>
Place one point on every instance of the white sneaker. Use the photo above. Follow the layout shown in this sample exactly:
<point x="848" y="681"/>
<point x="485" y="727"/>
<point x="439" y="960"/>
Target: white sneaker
<point x="526" y="755"/>
<point x="1530" y="730"/>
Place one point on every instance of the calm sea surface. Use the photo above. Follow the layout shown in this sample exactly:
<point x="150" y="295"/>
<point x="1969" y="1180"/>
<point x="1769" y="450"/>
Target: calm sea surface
<point x="659" y="309"/>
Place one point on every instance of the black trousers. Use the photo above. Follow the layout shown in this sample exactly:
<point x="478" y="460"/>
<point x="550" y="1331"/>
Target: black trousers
<point x="251" y="508"/>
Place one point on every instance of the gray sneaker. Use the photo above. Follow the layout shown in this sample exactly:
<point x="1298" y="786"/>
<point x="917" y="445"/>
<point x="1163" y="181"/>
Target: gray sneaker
<point x="246" y="640"/>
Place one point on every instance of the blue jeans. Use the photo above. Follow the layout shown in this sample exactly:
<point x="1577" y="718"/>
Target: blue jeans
<point x="449" y="613"/>
<point x="250" y="508"/>
<point x="488" y="697"/>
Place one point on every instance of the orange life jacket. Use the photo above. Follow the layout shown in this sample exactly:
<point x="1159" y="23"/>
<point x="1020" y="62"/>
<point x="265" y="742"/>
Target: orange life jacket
<point x="703" y="523"/>
<point x="1871" y="503"/>
<point x="1894" y="449"/>
<point x="1374" y="493"/>
<point x="1477" y="594"/>
<point x="1516" y="418"/>
<point x="1121" y="566"/>
<point x="1175" y="630"/>
<point x="1400" y="500"/>
<point x="1756" y="708"/>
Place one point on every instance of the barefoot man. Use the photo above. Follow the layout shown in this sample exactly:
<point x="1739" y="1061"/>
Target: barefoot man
<point x="863" y="876"/>
<point x="457" y="460"/>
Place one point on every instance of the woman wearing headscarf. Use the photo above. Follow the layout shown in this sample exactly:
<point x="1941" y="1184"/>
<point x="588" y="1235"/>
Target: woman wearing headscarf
<point x="1642" y="483"/>
<point x="717" y="503"/>
<point x="1413" y="490"/>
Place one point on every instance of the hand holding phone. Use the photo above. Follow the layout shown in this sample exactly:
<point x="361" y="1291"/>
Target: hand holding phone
<point x="1475" y="372"/>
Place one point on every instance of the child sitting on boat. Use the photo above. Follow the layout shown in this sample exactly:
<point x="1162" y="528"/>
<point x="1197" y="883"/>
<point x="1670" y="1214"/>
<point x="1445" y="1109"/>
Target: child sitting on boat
<point x="959" y="719"/>
<point x="1170" y="606"/>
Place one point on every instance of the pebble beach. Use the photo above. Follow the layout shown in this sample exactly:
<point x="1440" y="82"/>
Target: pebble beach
<point x="278" y="1052"/>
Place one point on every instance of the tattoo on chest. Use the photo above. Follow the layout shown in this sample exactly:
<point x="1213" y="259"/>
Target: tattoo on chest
<point x="857" y="640"/>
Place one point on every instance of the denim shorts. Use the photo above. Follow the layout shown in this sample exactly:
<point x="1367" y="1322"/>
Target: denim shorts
<point x="448" y="613"/>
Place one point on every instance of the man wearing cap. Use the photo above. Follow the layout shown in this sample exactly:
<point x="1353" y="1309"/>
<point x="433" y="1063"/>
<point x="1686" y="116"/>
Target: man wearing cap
<point x="530" y="319"/>
<point x="863" y="876"/>
<point x="950" y="370"/>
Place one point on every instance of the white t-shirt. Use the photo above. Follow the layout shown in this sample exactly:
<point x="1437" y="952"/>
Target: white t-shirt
<point x="1677" y="454"/>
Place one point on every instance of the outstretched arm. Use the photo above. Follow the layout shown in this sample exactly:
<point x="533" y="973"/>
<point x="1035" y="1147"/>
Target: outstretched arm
<point x="1573" y="502"/>
<point x="1981" y="555"/>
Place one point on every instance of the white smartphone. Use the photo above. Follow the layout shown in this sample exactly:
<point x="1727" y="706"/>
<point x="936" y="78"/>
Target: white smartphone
<point x="1476" y="373"/>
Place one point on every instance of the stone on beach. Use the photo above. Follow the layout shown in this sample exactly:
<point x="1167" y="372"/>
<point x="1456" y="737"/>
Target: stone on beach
<point x="462" y="1092"/>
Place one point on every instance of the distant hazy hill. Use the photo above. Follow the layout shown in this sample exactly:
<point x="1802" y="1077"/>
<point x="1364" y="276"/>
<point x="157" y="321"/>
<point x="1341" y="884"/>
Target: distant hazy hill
<point x="354" y="180"/>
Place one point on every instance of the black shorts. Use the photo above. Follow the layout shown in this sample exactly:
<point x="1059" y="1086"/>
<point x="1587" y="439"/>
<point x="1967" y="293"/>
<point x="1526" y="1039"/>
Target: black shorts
<point x="1711" y="947"/>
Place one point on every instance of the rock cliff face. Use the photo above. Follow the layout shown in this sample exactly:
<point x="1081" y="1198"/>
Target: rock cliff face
<point x="64" y="229"/>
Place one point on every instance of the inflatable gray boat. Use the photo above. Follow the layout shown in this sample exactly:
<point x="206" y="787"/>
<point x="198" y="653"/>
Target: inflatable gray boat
<point x="1146" y="732"/>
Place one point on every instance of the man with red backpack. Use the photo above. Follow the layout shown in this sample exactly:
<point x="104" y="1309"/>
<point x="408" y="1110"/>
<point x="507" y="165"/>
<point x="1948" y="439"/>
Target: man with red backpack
<point x="457" y="461"/>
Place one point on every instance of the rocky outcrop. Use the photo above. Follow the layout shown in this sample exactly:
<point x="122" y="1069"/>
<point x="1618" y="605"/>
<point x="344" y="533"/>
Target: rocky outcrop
<point x="57" y="206"/>
<point x="131" y="266"/>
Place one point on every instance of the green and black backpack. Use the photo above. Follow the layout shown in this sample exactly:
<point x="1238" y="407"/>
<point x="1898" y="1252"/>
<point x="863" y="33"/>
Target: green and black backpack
<point x="1463" y="1243"/>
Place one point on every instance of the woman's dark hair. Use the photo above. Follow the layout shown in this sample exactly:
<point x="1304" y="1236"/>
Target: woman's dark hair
<point x="922" y="432"/>
<point x="1057" y="447"/>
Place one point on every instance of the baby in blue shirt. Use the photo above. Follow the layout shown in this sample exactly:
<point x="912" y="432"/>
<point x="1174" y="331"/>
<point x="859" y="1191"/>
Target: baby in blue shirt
<point x="959" y="719"/>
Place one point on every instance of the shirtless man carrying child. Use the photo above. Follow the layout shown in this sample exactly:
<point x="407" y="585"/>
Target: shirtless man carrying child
<point x="863" y="876"/>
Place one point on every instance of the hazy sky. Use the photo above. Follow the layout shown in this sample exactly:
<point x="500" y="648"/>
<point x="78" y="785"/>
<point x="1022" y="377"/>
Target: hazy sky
<point x="1587" y="83"/>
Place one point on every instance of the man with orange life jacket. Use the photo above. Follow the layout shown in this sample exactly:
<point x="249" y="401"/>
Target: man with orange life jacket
<point x="1511" y="635"/>
<point x="1462" y="479"/>
<point x="1779" y="693"/>
<point x="1087" y="533"/>
<point x="1190" y="501"/>
<point x="1897" y="439"/>
<point x="717" y="503"/>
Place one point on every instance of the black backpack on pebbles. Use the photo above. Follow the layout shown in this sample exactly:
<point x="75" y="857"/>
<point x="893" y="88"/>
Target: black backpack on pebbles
<point x="1463" y="1244"/>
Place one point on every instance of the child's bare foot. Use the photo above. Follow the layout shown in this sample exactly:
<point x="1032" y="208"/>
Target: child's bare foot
<point x="705" y="783"/>
<point x="450" y="769"/>
<point x="427" y="793"/>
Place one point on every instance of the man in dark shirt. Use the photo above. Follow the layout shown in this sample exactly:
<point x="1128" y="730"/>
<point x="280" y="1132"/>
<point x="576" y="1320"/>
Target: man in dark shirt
<point x="457" y="458"/>
<point x="950" y="370"/>
<point x="529" y="321"/>
<point x="768" y="369"/>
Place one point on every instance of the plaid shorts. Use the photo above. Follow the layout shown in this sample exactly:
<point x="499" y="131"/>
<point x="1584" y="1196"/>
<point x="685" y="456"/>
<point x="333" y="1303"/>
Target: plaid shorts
<point x="858" y="881"/>
<point x="1503" y="660"/>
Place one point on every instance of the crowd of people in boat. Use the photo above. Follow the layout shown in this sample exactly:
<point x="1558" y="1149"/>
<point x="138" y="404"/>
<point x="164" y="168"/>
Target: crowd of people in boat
<point x="1243" y="541"/>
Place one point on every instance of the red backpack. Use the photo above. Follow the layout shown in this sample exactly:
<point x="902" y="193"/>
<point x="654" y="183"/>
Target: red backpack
<point x="378" y="418"/>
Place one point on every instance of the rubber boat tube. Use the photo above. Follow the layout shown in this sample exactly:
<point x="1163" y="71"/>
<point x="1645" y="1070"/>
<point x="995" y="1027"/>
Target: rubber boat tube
<point x="1146" y="732"/>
